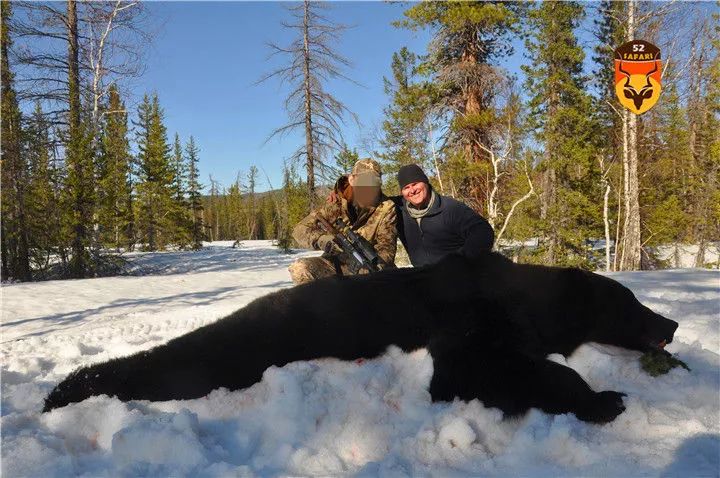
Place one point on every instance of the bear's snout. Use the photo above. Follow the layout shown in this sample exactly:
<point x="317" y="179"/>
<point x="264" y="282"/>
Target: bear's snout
<point x="660" y="331"/>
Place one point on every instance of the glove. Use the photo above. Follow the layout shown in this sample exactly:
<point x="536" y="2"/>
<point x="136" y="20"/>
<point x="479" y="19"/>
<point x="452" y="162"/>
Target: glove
<point x="325" y="242"/>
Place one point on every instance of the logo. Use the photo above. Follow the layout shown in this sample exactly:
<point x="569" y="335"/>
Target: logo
<point x="638" y="71"/>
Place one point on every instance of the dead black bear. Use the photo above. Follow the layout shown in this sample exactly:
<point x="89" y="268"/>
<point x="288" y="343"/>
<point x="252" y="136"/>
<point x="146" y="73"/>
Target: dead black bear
<point x="488" y="323"/>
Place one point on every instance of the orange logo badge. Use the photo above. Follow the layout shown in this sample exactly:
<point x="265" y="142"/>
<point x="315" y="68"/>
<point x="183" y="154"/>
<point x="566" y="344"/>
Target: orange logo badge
<point x="638" y="73"/>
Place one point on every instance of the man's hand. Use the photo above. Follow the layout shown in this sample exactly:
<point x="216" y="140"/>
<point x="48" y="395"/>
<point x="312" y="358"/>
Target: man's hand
<point x="325" y="242"/>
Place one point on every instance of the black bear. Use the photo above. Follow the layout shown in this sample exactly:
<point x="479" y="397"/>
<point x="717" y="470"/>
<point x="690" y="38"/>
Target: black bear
<point x="488" y="323"/>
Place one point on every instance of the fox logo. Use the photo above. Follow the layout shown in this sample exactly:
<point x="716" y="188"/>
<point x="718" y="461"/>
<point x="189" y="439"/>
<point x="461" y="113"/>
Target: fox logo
<point x="638" y="74"/>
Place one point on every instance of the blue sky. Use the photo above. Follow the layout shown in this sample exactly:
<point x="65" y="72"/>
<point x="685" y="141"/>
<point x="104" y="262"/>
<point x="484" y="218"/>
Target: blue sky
<point x="207" y="56"/>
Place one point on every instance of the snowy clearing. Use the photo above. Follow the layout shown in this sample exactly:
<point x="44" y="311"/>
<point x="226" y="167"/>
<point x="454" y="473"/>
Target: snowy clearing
<point x="325" y="416"/>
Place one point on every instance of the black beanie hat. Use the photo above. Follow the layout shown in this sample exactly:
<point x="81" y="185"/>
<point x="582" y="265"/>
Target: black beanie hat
<point x="411" y="173"/>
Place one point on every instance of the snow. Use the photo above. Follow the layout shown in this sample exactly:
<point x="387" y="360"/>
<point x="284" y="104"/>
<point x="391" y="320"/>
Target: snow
<point x="326" y="417"/>
<point x="685" y="255"/>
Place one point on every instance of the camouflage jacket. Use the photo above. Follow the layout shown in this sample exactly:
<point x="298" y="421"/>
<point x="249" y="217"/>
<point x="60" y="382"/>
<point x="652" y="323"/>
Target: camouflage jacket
<point x="378" y="225"/>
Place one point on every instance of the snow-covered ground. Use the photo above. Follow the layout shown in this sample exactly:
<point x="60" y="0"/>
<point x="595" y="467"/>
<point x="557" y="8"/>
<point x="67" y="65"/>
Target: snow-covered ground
<point x="327" y="417"/>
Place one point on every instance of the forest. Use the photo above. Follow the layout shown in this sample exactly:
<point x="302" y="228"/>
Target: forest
<point x="546" y="153"/>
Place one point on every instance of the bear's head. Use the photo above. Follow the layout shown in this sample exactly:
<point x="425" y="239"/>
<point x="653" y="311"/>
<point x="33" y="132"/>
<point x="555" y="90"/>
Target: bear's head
<point x="620" y="319"/>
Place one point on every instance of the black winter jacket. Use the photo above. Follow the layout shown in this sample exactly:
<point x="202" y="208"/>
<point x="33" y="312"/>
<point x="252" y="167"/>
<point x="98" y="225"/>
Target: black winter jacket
<point x="450" y="226"/>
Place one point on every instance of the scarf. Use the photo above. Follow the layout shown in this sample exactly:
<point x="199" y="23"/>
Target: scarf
<point x="418" y="214"/>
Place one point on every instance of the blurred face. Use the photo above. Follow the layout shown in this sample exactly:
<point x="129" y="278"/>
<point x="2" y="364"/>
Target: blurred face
<point x="364" y="196"/>
<point x="416" y="193"/>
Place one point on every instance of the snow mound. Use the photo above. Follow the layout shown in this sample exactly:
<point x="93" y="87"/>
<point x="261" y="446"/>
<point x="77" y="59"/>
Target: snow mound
<point x="327" y="417"/>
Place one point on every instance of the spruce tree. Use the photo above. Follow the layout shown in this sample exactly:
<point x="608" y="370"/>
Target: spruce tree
<point x="251" y="192"/>
<point x="407" y="124"/>
<point x="609" y="34"/>
<point x="194" y="189"/>
<point x="114" y="169"/>
<point x="180" y="211"/>
<point x="705" y="185"/>
<point x="155" y="176"/>
<point x="560" y="122"/>
<point x="346" y="158"/>
<point x="668" y="175"/>
<point x="237" y="223"/>
<point x="41" y="201"/>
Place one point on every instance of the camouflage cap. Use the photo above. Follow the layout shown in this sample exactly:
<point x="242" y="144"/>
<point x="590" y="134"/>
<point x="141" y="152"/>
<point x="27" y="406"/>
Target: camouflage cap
<point x="367" y="172"/>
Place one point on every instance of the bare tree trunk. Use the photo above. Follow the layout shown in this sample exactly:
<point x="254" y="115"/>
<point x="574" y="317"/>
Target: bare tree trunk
<point x="313" y="62"/>
<point x="618" y="238"/>
<point x="631" y="251"/>
<point x="606" y="221"/>
<point x="625" y="182"/>
<point x="73" y="64"/>
<point x="435" y="161"/>
<point x="547" y="208"/>
<point x="525" y="197"/>
<point x="700" y="257"/>
<point x="77" y="164"/>
<point x="605" y="184"/>
<point x="309" y="146"/>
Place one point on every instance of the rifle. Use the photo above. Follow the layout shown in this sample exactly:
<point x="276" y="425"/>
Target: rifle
<point x="360" y="253"/>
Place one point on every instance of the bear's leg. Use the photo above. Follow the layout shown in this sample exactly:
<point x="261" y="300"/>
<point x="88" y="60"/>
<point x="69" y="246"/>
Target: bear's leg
<point x="515" y="382"/>
<point x="555" y="388"/>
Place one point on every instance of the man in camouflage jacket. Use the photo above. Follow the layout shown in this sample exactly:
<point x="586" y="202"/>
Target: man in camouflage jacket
<point x="368" y="212"/>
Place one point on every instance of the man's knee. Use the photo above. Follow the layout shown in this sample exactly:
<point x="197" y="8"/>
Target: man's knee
<point x="309" y="269"/>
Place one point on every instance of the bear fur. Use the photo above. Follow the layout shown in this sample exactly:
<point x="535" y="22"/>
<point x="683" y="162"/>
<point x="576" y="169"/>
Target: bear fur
<point x="488" y="323"/>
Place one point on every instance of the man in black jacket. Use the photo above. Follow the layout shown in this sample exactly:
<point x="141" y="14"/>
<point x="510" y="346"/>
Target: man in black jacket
<point x="432" y="226"/>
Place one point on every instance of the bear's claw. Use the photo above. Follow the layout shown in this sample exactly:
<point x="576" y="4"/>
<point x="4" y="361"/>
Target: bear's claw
<point x="604" y="407"/>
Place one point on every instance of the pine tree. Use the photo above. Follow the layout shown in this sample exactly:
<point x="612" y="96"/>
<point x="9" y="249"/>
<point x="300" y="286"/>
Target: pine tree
<point x="469" y="39"/>
<point x="114" y="168"/>
<point x="194" y="193"/>
<point x="79" y="157"/>
<point x="407" y="126"/>
<point x="15" y="241"/>
<point x="558" y="117"/>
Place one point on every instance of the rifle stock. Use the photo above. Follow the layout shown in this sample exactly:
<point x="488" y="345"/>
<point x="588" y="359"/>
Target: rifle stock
<point x="361" y="254"/>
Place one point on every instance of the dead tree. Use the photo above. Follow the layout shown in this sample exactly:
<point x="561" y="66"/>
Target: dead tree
<point x="313" y="61"/>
